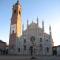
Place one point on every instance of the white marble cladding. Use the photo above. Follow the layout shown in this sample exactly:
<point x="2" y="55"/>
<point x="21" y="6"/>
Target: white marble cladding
<point x="41" y="43"/>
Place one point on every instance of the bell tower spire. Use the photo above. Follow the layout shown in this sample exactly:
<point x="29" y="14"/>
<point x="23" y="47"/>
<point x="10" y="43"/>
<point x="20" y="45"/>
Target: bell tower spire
<point x="16" y="24"/>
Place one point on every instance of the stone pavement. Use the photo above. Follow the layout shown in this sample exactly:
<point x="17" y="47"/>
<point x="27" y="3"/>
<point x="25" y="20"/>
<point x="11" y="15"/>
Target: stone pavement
<point x="29" y="58"/>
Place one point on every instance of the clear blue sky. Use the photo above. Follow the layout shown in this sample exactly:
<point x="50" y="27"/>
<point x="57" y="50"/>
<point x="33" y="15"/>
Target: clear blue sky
<point x="47" y="10"/>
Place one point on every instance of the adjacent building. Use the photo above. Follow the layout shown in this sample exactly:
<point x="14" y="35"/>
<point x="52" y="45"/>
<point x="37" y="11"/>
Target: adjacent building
<point x="2" y="46"/>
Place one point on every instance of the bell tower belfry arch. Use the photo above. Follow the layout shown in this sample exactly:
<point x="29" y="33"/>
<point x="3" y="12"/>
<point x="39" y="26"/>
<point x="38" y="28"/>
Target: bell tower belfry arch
<point x="16" y="24"/>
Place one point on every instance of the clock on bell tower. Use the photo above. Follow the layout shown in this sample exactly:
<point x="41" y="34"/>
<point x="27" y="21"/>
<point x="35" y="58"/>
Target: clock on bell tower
<point x="16" y="24"/>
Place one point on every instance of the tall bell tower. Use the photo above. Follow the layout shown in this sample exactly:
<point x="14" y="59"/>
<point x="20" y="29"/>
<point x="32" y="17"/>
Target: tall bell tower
<point x="16" y="24"/>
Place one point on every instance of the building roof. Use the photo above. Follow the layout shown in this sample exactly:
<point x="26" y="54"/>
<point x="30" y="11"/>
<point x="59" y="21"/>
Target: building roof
<point x="2" y="41"/>
<point x="33" y="26"/>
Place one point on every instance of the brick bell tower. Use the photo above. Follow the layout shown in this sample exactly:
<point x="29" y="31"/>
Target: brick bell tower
<point x="16" y="24"/>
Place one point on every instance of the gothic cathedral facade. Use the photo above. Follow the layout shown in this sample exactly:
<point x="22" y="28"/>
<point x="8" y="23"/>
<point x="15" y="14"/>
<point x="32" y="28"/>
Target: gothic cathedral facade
<point x="34" y="36"/>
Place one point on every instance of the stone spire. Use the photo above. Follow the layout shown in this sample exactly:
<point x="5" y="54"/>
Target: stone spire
<point x="27" y="29"/>
<point x="50" y="30"/>
<point x="43" y="39"/>
<point x="43" y="26"/>
<point x="22" y="27"/>
<point x="37" y="21"/>
<point x="27" y="23"/>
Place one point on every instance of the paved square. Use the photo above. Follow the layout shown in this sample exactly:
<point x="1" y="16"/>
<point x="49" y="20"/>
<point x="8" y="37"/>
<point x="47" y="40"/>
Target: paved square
<point x="29" y="58"/>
